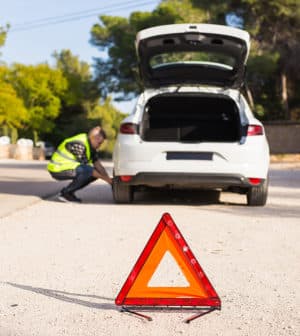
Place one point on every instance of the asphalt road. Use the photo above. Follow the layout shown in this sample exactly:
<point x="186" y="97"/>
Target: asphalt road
<point x="62" y="265"/>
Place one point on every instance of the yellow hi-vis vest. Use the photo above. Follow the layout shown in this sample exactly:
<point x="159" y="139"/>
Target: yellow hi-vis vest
<point x="62" y="159"/>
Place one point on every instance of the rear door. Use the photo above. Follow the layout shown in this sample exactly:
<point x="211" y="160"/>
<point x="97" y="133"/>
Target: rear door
<point x="187" y="54"/>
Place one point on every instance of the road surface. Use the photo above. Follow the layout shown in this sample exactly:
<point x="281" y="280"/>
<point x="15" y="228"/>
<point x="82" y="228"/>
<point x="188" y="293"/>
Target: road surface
<point x="62" y="265"/>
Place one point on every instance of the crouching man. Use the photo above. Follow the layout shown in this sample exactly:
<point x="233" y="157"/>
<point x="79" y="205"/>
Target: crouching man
<point x="77" y="159"/>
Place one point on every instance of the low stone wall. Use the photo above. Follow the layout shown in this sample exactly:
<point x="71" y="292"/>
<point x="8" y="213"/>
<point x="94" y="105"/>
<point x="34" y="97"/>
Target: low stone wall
<point x="4" y="151"/>
<point x="21" y="152"/>
<point x="283" y="137"/>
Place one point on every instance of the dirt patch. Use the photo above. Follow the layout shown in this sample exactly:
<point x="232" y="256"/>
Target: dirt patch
<point x="285" y="158"/>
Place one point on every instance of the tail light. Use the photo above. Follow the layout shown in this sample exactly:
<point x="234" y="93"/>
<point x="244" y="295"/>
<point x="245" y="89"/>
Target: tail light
<point x="255" y="130"/>
<point x="125" y="178"/>
<point x="254" y="180"/>
<point x="128" y="128"/>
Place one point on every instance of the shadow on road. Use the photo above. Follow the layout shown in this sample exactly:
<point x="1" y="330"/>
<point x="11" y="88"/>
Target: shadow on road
<point x="102" y="194"/>
<point x="29" y="187"/>
<point x="228" y="203"/>
<point x="69" y="297"/>
<point x="179" y="197"/>
<point x="32" y="179"/>
<point x="24" y="165"/>
<point x="285" y="178"/>
<point x="269" y="210"/>
<point x="26" y="179"/>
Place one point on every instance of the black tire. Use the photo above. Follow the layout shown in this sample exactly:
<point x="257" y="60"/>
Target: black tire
<point x="215" y="196"/>
<point x="257" y="196"/>
<point x="122" y="193"/>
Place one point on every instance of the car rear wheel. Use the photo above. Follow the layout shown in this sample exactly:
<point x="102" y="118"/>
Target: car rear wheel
<point x="257" y="196"/>
<point x="122" y="193"/>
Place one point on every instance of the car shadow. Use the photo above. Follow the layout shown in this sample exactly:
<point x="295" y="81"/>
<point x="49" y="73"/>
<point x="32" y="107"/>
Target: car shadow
<point x="100" y="193"/>
<point x="176" y="196"/>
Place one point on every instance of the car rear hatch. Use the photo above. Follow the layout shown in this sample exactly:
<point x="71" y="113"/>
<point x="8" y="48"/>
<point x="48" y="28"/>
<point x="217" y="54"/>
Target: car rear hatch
<point x="184" y="54"/>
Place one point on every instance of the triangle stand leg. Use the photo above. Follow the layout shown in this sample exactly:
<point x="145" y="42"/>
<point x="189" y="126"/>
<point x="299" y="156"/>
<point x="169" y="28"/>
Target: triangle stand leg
<point x="194" y="317"/>
<point x="126" y="310"/>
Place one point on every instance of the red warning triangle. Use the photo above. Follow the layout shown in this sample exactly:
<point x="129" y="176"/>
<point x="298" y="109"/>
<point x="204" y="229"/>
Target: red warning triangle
<point x="167" y="238"/>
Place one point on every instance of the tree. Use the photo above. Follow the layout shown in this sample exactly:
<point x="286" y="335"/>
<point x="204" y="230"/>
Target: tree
<point x="81" y="97"/>
<point x="118" y="71"/>
<point x="216" y="11"/>
<point x="81" y="108"/>
<point x="13" y="113"/>
<point x="81" y="87"/>
<point x="106" y="115"/>
<point x="275" y="27"/>
<point x="39" y="87"/>
<point x="262" y="75"/>
<point x="3" y="33"/>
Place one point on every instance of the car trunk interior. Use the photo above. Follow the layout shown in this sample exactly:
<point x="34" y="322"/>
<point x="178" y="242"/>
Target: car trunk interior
<point x="191" y="118"/>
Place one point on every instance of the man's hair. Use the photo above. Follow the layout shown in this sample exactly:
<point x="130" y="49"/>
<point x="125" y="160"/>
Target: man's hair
<point x="98" y="130"/>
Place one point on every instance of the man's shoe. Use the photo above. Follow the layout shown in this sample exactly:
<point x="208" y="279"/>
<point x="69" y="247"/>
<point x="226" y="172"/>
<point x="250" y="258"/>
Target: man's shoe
<point x="68" y="197"/>
<point x="75" y="199"/>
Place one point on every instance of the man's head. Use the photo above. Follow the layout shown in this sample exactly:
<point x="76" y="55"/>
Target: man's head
<point x="96" y="136"/>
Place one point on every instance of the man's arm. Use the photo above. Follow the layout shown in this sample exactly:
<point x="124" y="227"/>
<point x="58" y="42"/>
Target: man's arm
<point x="77" y="148"/>
<point x="100" y="172"/>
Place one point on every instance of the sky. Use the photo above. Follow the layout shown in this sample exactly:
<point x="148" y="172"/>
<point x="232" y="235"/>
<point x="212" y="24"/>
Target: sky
<point x="33" y="37"/>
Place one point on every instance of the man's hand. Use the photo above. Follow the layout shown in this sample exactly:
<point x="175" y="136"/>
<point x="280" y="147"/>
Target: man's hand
<point x="109" y="180"/>
<point x="100" y="172"/>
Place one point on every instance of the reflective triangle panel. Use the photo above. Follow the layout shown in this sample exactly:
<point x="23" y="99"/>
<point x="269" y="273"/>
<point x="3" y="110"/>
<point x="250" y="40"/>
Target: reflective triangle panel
<point x="167" y="238"/>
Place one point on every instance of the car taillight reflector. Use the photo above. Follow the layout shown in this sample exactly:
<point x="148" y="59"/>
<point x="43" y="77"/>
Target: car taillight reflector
<point x="126" y="178"/>
<point x="254" y="180"/>
<point x="128" y="128"/>
<point x="255" y="130"/>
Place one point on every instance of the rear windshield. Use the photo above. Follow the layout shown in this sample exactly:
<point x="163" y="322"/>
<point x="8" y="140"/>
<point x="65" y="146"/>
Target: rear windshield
<point x="192" y="57"/>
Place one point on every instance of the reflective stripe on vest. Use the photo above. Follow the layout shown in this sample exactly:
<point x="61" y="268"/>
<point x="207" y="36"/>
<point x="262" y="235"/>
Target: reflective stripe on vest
<point x="65" y="156"/>
<point x="63" y="159"/>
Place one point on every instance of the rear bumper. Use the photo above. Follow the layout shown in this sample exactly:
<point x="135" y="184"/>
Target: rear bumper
<point x="190" y="180"/>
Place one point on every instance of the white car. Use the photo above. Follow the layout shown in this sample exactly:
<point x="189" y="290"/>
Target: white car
<point x="192" y="127"/>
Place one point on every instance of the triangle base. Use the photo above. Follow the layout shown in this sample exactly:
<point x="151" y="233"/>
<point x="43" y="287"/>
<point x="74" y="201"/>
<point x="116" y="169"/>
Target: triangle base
<point x="199" y="311"/>
<point x="182" y="302"/>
